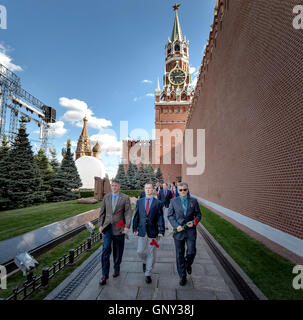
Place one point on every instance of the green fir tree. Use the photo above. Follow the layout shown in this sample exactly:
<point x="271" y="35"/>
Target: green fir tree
<point x="138" y="180"/>
<point x="46" y="172"/>
<point x="159" y="176"/>
<point x="67" y="180"/>
<point x="150" y="174"/>
<point x="143" y="175"/>
<point x="130" y="175"/>
<point x="121" y="177"/>
<point x="24" y="187"/>
<point x="4" y="175"/>
<point x="54" y="162"/>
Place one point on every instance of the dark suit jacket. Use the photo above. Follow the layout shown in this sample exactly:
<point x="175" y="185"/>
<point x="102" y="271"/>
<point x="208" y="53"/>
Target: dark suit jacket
<point x="122" y="212"/>
<point x="142" y="195"/>
<point x="151" y="225"/>
<point x="176" y="217"/>
<point x="165" y="200"/>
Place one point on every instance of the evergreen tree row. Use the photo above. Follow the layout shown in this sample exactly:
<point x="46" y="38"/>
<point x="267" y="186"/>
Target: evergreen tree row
<point x="26" y="179"/>
<point x="135" y="177"/>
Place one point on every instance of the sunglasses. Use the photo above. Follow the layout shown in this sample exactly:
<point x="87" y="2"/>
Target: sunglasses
<point x="182" y="190"/>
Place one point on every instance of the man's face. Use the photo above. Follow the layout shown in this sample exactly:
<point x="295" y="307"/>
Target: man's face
<point x="164" y="186"/>
<point x="183" y="191"/>
<point x="115" y="187"/>
<point x="149" y="190"/>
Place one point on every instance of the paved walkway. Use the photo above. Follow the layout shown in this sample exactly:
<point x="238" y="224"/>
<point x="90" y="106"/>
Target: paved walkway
<point x="208" y="280"/>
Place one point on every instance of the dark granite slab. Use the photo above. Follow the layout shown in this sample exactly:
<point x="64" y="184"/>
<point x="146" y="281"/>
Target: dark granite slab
<point x="36" y="238"/>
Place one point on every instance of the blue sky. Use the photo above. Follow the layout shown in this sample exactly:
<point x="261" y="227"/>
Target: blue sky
<point x="93" y="56"/>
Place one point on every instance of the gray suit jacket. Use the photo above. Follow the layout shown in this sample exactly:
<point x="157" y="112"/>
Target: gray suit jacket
<point x="176" y="217"/>
<point x="122" y="212"/>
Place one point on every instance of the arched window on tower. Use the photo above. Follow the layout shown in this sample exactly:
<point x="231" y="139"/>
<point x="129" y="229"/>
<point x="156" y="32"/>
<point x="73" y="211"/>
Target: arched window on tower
<point x="168" y="50"/>
<point x="177" y="47"/>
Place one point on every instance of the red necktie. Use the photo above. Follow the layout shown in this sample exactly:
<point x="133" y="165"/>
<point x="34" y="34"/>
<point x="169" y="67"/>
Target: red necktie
<point x="165" y="193"/>
<point x="147" y="207"/>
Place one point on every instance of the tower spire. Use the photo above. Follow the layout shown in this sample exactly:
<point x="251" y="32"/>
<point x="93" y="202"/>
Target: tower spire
<point x="177" y="33"/>
<point x="83" y="145"/>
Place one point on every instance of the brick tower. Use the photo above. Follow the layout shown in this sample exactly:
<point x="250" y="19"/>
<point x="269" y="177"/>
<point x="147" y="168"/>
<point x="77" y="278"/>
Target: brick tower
<point x="171" y="109"/>
<point x="173" y="100"/>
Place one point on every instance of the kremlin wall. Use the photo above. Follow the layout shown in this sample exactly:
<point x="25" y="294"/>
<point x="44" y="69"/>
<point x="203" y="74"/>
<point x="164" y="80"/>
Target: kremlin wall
<point x="249" y="101"/>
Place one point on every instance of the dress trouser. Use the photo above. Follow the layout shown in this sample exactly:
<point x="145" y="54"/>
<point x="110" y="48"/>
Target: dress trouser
<point x="180" y="252"/>
<point x="147" y="253"/>
<point x="165" y="214"/>
<point x="118" y="247"/>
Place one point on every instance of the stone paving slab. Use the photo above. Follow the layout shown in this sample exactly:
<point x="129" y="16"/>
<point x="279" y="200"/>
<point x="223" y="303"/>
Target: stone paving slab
<point x="205" y="283"/>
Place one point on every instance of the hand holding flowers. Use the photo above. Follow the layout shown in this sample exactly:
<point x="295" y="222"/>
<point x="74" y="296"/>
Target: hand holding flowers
<point x="124" y="230"/>
<point x="187" y="225"/>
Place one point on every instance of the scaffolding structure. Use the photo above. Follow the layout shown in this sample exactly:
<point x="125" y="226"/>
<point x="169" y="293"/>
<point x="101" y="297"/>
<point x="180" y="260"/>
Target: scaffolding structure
<point x="21" y="102"/>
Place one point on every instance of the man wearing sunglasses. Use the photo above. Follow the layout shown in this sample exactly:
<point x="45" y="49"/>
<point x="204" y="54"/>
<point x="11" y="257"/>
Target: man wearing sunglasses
<point x="182" y="211"/>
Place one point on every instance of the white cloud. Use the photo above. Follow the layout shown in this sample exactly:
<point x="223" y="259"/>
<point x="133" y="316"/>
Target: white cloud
<point x="77" y="110"/>
<point x="73" y="143"/>
<point x="194" y="82"/>
<point x="147" y="81"/>
<point x="57" y="129"/>
<point x="137" y="98"/>
<point x="109" y="143"/>
<point x="6" y="60"/>
<point x="194" y="73"/>
<point x="150" y="95"/>
<point x="192" y="70"/>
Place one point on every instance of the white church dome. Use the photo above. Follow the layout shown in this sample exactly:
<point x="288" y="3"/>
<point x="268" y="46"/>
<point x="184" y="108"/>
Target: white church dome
<point x="88" y="169"/>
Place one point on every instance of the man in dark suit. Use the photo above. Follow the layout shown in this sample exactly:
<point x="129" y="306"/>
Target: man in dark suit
<point x="115" y="207"/>
<point x="182" y="211"/>
<point x="148" y="223"/>
<point x="165" y="196"/>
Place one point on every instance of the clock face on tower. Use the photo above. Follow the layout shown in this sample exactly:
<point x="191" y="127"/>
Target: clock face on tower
<point x="177" y="76"/>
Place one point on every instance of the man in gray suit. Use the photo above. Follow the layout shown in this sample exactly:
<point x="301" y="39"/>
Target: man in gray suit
<point x="182" y="211"/>
<point x="115" y="208"/>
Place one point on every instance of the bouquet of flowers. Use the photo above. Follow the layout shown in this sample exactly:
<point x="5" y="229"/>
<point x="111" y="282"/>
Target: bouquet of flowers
<point x="185" y="226"/>
<point x="154" y="243"/>
<point x="122" y="225"/>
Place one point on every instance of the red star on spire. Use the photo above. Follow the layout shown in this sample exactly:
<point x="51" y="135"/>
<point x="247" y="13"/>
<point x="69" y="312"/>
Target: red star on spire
<point x="176" y="6"/>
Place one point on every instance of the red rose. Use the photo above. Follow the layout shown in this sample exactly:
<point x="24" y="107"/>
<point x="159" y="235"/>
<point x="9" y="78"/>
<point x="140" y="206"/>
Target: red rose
<point x="154" y="243"/>
<point x="120" y="224"/>
<point x="196" y="222"/>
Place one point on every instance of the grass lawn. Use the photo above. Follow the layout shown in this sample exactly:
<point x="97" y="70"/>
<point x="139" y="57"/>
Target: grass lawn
<point x="270" y="272"/>
<point x="19" y="221"/>
<point x="47" y="259"/>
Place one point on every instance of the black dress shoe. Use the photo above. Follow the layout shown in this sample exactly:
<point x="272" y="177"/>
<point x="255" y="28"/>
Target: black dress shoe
<point x="144" y="267"/>
<point x="188" y="269"/>
<point x="103" y="280"/>
<point x="116" y="274"/>
<point x="183" y="281"/>
<point x="148" y="279"/>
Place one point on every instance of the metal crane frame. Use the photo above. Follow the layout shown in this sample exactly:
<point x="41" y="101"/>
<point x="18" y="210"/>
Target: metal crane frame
<point x="14" y="97"/>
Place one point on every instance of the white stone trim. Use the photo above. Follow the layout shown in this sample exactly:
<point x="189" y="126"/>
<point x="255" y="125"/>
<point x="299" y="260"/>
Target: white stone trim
<point x="284" y="239"/>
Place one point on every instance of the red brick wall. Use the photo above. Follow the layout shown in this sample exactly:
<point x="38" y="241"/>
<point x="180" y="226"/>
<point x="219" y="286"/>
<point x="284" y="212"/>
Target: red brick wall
<point x="251" y="106"/>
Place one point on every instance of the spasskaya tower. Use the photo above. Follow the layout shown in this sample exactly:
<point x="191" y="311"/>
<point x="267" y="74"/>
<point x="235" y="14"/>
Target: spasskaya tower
<point x="173" y="100"/>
